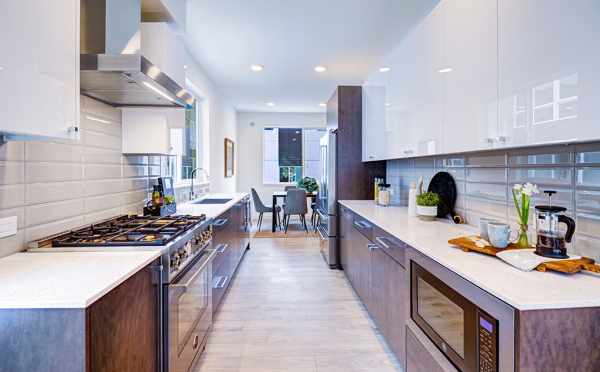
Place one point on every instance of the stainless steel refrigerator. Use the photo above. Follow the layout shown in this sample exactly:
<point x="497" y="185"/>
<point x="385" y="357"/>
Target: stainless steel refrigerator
<point x="344" y="176"/>
<point x="327" y="200"/>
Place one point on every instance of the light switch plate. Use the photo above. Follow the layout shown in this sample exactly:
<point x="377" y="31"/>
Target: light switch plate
<point x="8" y="226"/>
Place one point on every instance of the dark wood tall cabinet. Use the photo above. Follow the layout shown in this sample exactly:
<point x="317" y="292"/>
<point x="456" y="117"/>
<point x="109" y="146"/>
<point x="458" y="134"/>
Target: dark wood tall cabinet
<point x="354" y="178"/>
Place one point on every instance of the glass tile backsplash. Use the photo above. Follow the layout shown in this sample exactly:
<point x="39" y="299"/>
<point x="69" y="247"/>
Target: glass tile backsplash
<point x="484" y="181"/>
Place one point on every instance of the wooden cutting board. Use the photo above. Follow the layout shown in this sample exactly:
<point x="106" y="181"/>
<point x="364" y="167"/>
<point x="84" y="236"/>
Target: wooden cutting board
<point x="564" y="266"/>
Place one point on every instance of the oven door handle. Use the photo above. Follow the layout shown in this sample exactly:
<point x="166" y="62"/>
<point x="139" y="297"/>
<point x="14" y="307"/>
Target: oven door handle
<point x="203" y="267"/>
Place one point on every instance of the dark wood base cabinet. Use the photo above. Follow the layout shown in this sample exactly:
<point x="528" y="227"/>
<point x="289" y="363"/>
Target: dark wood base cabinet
<point x="117" y="333"/>
<point x="369" y="257"/>
<point x="376" y="264"/>
<point x="231" y="239"/>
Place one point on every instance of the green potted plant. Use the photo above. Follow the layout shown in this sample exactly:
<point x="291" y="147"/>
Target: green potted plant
<point x="309" y="184"/>
<point x="427" y="205"/>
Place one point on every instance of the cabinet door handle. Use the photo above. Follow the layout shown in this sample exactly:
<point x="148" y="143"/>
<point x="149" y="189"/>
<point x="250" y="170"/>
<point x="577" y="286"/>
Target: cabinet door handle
<point x="502" y="139"/>
<point x="222" y="247"/>
<point x="196" y="342"/>
<point x="362" y="225"/>
<point x="490" y="140"/>
<point x="222" y="282"/>
<point x="221" y="222"/>
<point x="382" y="240"/>
<point x="372" y="247"/>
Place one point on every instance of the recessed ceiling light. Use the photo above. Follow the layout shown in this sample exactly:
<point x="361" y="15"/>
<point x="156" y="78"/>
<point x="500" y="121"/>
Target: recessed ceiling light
<point x="320" y="68"/>
<point x="270" y="104"/>
<point x="444" y="70"/>
<point x="185" y="67"/>
<point x="384" y="69"/>
<point x="1" y="68"/>
<point x="323" y="104"/>
<point x="257" y="68"/>
<point x="387" y="104"/>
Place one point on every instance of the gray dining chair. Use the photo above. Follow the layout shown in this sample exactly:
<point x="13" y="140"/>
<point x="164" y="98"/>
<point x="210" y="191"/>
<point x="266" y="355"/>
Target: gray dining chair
<point x="295" y="204"/>
<point x="261" y="209"/>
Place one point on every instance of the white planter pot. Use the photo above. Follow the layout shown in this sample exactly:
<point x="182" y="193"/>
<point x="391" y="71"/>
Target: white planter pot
<point x="427" y="213"/>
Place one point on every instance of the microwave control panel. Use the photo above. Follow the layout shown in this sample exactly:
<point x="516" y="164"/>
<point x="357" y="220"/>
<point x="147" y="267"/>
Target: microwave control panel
<point x="487" y="342"/>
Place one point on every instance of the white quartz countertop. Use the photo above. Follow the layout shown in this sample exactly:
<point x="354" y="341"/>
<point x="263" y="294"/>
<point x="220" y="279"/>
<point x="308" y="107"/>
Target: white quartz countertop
<point x="522" y="290"/>
<point x="65" y="279"/>
<point x="211" y="210"/>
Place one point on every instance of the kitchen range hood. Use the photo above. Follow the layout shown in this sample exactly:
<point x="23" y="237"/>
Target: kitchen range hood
<point x="113" y="68"/>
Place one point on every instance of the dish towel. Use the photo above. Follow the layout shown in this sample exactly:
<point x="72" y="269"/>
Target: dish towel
<point x="526" y="259"/>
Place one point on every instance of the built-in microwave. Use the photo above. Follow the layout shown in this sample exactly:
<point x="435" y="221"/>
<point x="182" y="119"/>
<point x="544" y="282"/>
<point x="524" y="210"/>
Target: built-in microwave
<point x="463" y="332"/>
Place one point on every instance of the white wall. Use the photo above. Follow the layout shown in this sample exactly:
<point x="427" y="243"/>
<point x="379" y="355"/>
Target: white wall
<point x="250" y="145"/>
<point x="220" y="116"/>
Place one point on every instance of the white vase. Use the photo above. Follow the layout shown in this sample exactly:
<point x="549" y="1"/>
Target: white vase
<point x="427" y="213"/>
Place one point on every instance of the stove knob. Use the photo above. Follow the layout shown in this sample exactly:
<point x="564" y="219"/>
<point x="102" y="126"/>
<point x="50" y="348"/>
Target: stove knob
<point x="174" y="261"/>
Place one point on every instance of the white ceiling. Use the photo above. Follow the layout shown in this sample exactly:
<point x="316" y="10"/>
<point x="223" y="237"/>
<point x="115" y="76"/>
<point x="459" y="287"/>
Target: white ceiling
<point x="290" y="38"/>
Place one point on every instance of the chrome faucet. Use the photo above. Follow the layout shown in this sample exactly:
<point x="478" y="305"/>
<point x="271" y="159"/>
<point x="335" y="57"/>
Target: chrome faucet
<point x="192" y="176"/>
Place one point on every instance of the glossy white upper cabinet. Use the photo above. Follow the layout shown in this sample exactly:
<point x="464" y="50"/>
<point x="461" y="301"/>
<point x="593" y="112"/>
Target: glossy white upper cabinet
<point x="421" y="106"/>
<point x="373" y="130"/>
<point x="411" y="95"/>
<point x="164" y="47"/>
<point x="470" y="75"/>
<point x="549" y="71"/>
<point x="39" y="68"/>
<point x="147" y="130"/>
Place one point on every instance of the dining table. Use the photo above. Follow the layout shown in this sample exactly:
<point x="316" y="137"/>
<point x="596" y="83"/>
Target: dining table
<point x="282" y="195"/>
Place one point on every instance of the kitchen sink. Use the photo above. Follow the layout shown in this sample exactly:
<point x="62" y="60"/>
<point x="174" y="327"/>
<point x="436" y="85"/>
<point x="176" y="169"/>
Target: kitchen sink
<point x="212" y="201"/>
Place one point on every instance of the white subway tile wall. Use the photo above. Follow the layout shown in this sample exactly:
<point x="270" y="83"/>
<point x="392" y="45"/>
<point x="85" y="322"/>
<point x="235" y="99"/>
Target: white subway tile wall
<point x="484" y="181"/>
<point x="56" y="186"/>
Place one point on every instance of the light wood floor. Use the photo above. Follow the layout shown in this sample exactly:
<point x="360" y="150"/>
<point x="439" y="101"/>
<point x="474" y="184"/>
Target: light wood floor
<point x="287" y="312"/>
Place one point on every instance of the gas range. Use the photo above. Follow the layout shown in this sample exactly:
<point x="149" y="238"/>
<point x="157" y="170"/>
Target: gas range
<point x="179" y="238"/>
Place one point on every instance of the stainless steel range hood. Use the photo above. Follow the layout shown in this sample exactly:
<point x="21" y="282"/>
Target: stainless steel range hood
<point x="113" y="69"/>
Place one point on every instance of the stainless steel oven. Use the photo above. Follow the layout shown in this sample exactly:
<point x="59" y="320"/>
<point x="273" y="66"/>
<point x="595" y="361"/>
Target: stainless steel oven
<point x="464" y="333"/>
<point x="188" y="313"/>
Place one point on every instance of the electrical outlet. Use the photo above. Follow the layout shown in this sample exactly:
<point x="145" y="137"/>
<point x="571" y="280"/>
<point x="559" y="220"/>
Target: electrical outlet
<point x="8" y="226"/>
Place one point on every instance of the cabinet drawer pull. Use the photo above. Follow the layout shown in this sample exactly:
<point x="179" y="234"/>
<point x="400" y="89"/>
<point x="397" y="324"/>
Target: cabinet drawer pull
<point x="372" y="247"/>
<point x="196" y="342"/>
<point x="382" y="240"/>
<point x="361" y="225"/>
<point x="221" y="222"/>
<point x="223" y="282"/>
<point x="221" y="248"/>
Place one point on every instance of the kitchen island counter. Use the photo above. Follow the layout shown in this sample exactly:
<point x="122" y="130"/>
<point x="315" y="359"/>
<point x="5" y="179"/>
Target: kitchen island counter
<point x="523" y="290"/>
<point x="65" y="280"/>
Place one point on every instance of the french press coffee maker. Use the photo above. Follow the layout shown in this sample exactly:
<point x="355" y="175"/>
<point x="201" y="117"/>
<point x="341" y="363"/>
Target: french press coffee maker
<point x="550" y="240"/>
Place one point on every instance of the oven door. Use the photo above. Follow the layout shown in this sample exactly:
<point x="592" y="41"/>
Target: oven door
<point x="189" y="316"/>
<point x="446" y="317"/>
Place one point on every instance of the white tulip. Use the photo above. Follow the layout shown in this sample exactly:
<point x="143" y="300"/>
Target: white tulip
<point x="530" y="189"/>
<point x="518" y="187"/>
